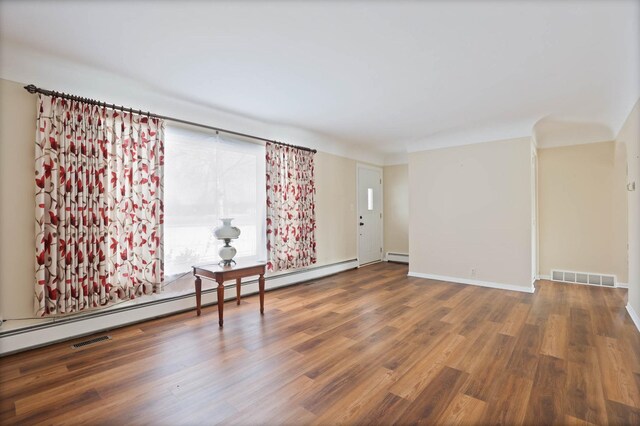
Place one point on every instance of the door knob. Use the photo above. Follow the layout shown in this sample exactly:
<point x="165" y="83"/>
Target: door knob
<point x="361" y="223"/>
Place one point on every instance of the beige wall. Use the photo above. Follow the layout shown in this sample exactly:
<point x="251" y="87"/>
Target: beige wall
<point x="396" y="209"/>
<point x="470" y="208"/>
<point x="335" y="203"/>
<point x="630" y="136"/>
<point x="582" y="209"/>
<point x="17" y="200"/>
<point x="335" y="208"/>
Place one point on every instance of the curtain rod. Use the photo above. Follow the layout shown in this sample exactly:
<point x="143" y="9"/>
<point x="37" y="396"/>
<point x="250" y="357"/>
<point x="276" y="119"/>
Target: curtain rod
<point x="33" y="89"/>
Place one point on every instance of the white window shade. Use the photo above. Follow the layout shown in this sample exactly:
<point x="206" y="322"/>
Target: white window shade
<point x="208" y="177"/>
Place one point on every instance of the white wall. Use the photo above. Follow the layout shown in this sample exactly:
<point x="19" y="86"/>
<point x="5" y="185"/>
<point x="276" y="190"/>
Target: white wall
<point x="17" y="200"/>
<point x="335" y="208"/>
<point x="470" y="209"/>
<point x="396" y="209"/>
<point x="583" y="209"/>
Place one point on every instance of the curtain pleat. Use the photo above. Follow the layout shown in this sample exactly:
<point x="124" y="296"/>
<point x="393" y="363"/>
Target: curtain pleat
<point x="290" y="208"/>
<point x="99" y="211"/>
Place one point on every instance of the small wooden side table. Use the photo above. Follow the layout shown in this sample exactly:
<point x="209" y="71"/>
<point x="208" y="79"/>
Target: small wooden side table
<point x="220" y="274"/>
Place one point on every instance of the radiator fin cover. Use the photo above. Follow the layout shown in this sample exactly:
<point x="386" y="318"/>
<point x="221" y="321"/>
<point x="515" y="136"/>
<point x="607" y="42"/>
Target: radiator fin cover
<point x="590" y="278"/>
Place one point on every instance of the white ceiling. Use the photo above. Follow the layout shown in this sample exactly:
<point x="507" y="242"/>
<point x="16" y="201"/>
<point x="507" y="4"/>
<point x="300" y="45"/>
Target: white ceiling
<point x="393" y="76"/>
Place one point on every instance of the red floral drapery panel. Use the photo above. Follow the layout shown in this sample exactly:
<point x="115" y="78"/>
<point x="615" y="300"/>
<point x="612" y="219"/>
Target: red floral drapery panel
<point x="99" y="206"/>
<point x="290" y="208"/>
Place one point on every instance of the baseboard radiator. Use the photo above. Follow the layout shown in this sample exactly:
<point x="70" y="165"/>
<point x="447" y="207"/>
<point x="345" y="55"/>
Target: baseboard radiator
<point x="28" y="337"/>
<point x="397" y="257"/>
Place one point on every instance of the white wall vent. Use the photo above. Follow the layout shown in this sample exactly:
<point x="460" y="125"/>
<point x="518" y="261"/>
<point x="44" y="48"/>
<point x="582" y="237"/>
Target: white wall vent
<point x="584" y="278"/>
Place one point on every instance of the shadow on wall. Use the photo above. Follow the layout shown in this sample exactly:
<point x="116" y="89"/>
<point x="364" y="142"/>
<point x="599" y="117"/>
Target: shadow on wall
<point x="552" y="131"/>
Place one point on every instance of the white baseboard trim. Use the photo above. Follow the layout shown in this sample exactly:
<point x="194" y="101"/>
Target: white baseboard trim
<point x="544" y="277"/>
<point x="500" y="286"/>
<point x="65" y="329"/>
<point x="622" y="285"/>
<point x="634" y="316"/>
<point x="397" y="257"/>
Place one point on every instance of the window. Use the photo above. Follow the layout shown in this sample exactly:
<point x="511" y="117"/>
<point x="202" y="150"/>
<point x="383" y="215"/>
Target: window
<point x="208" y="177"/>
<point x="369" y="199"/>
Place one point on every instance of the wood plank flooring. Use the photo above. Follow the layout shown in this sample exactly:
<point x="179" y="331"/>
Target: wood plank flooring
<point x="368" y="346"/>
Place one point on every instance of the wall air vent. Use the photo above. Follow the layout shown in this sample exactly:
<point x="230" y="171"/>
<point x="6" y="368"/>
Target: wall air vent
<point x="608" y="281"/>
<point x="584" y="278"/>
<point x="90" y="341"/>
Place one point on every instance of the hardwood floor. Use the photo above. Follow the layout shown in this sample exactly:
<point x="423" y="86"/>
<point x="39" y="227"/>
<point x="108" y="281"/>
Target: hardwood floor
<point x="368" y="346"/>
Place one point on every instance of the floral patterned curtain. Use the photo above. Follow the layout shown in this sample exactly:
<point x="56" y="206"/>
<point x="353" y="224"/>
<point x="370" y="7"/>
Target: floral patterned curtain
<point x="99" y="206"/>
<point x="290" y="208"/>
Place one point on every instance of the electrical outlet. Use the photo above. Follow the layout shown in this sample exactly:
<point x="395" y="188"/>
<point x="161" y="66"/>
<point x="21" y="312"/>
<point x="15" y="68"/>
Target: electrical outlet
<point x="473" y="272"/>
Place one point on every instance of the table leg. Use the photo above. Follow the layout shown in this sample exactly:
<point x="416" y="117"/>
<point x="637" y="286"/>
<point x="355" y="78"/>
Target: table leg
<point x="261" y="286"/>
<point x="220" y="302"/>
<point x="198" y="294"/>
<point x="238" y="280"/>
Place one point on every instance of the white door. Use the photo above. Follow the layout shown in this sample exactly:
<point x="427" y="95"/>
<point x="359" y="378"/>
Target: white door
<point x="369" y="214"/>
